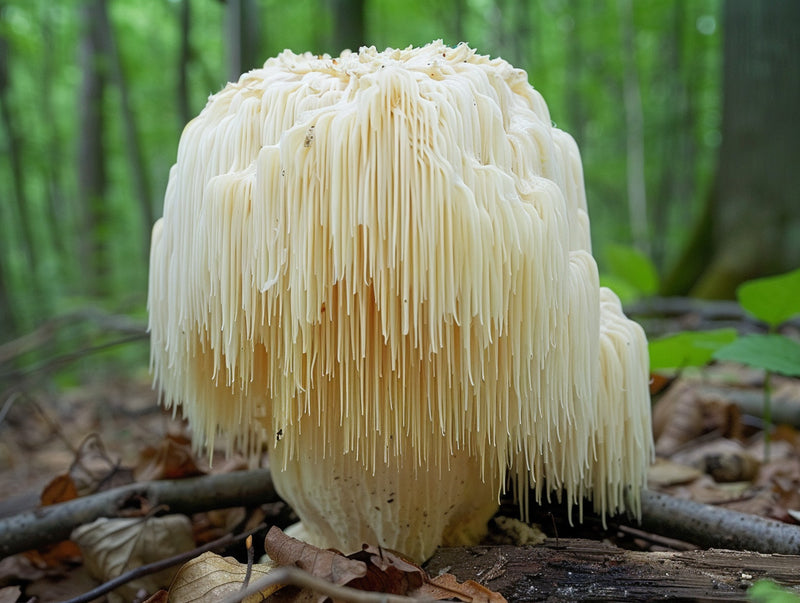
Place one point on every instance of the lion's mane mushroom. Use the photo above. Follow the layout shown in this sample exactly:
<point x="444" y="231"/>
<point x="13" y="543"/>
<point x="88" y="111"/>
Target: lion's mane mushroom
<point x="379" y="266"/>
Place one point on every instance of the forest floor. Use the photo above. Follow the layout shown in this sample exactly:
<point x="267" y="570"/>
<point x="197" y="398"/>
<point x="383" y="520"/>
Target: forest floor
<point x="707" y="428"/>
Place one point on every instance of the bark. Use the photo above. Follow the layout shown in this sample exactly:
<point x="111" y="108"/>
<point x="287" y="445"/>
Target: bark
<point x="92" y="177"/>
<point x="754" y="209"/>
<point x="586" y="570"/>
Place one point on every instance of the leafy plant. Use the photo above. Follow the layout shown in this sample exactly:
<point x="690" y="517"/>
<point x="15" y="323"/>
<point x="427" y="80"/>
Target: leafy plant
<point x="687" y="348"/>
<point x="629" y="272"/>
<point x="766" y="591"/>
<point x="773" y="300"/>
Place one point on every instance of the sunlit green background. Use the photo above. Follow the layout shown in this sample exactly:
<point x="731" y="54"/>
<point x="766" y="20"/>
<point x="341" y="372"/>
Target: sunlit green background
<point x="636" y="83"/>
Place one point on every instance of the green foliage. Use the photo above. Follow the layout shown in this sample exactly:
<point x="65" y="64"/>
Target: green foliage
<point x="688" y="348"/>
<point x="766" y="591"/>
<point x="774" y="299"/>
<point x="629" y="272"/>
<point x="773" y="353"/>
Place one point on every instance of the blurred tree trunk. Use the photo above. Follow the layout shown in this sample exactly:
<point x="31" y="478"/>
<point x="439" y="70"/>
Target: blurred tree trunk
<point x="92" y="177"/>
<point x="241" y="37"/>
<point x="754" y="210"/>
<point x="133" y="148"/>
<point x="58" y="207"/>
<point x="575" y="61"/>
<point x="348" y="25"/>
<point x="634" y="130"/>
<point x="676" y="148"/>
<point x="184" y="57"/>
<point x="34" y="299"/>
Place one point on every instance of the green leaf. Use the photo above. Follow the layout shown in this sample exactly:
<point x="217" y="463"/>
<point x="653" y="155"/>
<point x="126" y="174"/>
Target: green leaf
<point x="688" y="348"/>
<point x="774" y="353"/>
<point x="631" y="266"/>
<point x="774" y="299"/>
<point x="766" y="591"/>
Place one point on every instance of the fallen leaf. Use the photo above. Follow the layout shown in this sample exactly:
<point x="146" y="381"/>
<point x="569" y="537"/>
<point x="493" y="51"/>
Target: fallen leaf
<point x="173" y="458"/>
<point x="60" y="489"/>
<point x="325" y="564"/>
<point x="210" y="578"/>
<point x="10" y="594"/>
<point x="372" y="569"/>
<point x="447" y="586"/>
<point x="665" y="473"/>
<point x="387" y="572"/>
<point x="111" y="547"/>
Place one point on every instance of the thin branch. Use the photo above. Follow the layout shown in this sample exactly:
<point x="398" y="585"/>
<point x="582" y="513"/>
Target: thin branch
<point x="294" y="576"/>
<point x="45" y="525"/>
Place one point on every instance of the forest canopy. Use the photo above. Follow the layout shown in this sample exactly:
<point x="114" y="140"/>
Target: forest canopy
<point x="94" y="95"/>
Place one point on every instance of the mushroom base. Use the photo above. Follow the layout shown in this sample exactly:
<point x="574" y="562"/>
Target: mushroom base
<point x="402" y="506"/>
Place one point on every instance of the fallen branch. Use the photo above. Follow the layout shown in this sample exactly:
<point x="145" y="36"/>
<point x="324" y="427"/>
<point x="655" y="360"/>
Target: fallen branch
<point x="715" y="527"/>
<point x="45" y="525"/>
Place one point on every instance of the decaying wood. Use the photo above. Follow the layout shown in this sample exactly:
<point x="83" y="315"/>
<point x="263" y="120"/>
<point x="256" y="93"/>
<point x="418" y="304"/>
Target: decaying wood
<point x="45" y="525"/>
<point x="587" y="570"/>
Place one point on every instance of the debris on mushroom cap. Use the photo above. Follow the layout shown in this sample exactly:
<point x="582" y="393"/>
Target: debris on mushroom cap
<point x="379" y="266"/>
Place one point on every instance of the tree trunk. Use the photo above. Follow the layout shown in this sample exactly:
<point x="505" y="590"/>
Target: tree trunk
<point x="138" y="172"/>
<point x="241" y="37"/>
<point x="634" y="131"/>
<point x="34" y="299"/>
<point x="92" y="178"/>
<point x="184" y="57"/>
<point x="755" y="217"/>
<point x="348" y="25"/>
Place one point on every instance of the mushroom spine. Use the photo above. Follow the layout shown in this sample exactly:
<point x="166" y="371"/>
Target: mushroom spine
<point x="379" y="266"/>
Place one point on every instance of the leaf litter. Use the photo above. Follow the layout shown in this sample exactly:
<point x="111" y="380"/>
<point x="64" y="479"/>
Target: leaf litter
<point x="707" y="433"/>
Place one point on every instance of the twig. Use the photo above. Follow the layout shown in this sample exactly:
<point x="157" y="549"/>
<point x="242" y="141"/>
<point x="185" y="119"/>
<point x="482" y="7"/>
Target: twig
<point x="157" y="566"/>
<point x="45" y="525"/>
<point x="294" y="576"/>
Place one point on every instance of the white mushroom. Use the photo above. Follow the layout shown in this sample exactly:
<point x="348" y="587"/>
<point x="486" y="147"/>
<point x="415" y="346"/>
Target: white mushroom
<point x="379" y="266"/>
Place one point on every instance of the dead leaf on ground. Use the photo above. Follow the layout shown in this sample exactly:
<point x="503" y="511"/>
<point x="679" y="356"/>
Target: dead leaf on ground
<point x="60" y="489"/>
<point x="111" y="547"/>
<point x="372" y="569"/>
<point x="327" y="565"/>
<point x="173" y="458"/>
<point x="210" y="578"/>
<point x="10" y="594"/>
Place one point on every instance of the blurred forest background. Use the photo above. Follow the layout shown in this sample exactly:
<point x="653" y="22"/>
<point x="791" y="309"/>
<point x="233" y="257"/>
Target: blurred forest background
<point x="686" y="113"/>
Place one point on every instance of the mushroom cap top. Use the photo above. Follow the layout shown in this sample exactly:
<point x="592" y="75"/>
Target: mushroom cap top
<point x="389" y="243"/>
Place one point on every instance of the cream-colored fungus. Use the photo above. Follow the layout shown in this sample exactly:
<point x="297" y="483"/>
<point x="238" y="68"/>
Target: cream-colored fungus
<point x="378" y="266"/>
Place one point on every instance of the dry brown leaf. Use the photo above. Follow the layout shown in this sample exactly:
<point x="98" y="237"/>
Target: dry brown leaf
<point x="210" y="578"/>
<point x="60" y="489"/>
<point x="10" y="594"/>
<point x="160" y="596"/>
<point x="93" y="469"/>
<point x="325" y="564"/>
<point x="173" y="458"/>
<point x="111" y="547"/>
<point x="372" y="569"/>
<point x="387" y="572"/>
<point x="447" y="586"/>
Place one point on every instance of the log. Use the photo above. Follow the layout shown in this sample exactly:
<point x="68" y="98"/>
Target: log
<point x="587" y="570"/>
